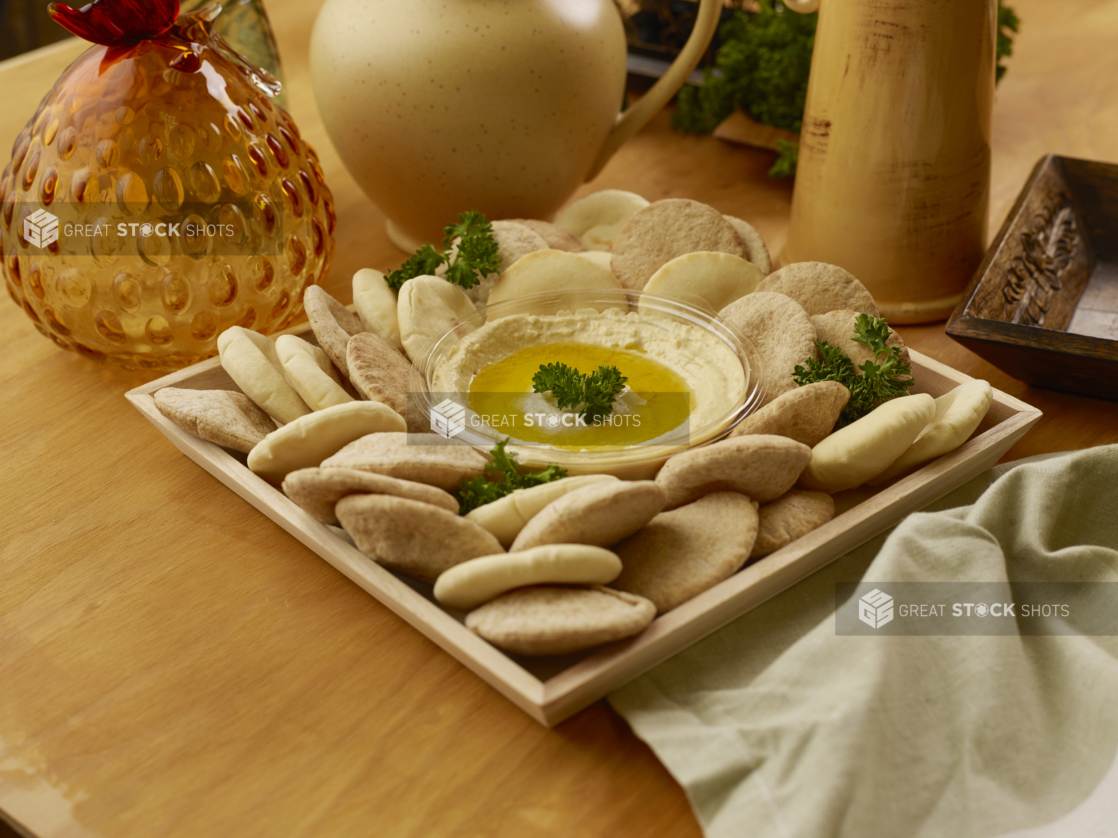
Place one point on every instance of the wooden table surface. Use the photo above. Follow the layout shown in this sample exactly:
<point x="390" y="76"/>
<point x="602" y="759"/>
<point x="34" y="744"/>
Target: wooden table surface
<point x="173" y="664"/>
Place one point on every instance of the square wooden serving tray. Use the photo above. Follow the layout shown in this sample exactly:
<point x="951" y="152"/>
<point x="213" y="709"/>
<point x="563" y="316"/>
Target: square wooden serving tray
<point x="552" y="689"/>
<point x="1043" y="305"/>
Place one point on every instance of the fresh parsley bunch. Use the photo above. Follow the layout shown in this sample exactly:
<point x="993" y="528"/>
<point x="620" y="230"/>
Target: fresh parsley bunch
<point x="885" y="377"/>
<point x="763" y="67"/>
<point x="788" y="155"/>
<point x="595" y="391"/>
<point x="1008" y="22"/>
<point x="476" y="254"/>
<point x="479" y="491"/>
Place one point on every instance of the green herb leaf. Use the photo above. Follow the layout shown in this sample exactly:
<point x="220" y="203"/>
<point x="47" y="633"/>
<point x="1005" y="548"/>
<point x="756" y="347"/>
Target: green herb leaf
<point x="479" y="491"/>
<point x="565" y="383"/>
<point x="700" y="109"/>
<point x="476" y="492"/>
<point x="423" y="262"/>
<point x="871" y="332"/>
<point x="788" y="157"/>
<point x="505" y="461"/>
<point x="475" y="256"/>
<point x="881" y="379"/>
<point x="596" y="391"/>
<point x="763" y="66"/>
<point x="470" y="223"/>
<point x="1007" y="22"/>
<point x="460" y="273"/>
<point x="601" y="389"/>
<point x="476" y="253"/>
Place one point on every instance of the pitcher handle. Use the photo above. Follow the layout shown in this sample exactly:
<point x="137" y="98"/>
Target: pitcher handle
<point x="633" y="119"/>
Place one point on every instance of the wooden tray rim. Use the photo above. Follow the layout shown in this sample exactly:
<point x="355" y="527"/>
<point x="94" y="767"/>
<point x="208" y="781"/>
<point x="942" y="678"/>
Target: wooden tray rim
<point x="971" y="327"/>
<point x="551" y="701"/>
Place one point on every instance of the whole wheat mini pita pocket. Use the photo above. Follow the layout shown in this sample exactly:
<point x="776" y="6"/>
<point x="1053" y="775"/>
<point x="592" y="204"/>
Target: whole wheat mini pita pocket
<point x="666" y="229"/>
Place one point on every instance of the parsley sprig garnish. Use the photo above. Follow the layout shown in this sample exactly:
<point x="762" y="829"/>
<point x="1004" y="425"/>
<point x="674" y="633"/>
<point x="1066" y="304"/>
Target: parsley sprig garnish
<point x="596" y="391"/>
<point x="423" y="262"/>
<point x="475" y="256"/>
<point x="887" y="376"/>
<point x="479" y="491"/>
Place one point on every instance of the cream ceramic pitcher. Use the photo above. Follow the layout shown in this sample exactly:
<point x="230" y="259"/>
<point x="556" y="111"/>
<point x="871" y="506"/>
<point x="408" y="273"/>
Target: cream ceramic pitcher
<point x="893" y="178"/>
<point x="504" y="106"/>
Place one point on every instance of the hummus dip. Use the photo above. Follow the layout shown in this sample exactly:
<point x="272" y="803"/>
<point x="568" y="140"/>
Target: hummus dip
<point x="661" y="356"/>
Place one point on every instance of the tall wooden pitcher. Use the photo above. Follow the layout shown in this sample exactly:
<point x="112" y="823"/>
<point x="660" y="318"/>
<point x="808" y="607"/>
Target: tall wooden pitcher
<point x="893" y="179"/>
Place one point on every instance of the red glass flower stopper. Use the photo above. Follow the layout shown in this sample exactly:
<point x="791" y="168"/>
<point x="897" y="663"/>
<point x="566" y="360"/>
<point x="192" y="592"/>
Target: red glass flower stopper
<point x="117" y="23"/>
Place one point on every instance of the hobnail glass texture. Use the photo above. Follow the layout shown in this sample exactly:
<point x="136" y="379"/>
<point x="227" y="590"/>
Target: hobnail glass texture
<point x="135" y="134"/>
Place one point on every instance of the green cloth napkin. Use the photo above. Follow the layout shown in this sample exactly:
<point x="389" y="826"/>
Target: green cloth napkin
<point x="776" y="726"/>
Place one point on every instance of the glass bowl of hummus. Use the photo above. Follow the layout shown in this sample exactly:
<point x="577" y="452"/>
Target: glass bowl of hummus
<point x="675" y="376"/>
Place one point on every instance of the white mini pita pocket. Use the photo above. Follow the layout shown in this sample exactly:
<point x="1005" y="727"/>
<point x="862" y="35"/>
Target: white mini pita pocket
<point x="598" y="257"/>
<point x="716" y="278"/>
<point x="427" y="308"/>
<point x="310" y="373"/>
<point x="252" y="362"/>
<point x="376" y="304"/>
<point x="307" y="441"/>
<point x="288" y="346"/>
<point x="477" y="581"/>
<point x="863" y="449"/>
<point x="596" y="218"/>
<point x="551" y="270"/>
<point x="958" y="413"/>
<point x="506" y="517"/>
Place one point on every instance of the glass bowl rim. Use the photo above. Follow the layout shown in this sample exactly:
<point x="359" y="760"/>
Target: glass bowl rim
<point x="571" y="301"/>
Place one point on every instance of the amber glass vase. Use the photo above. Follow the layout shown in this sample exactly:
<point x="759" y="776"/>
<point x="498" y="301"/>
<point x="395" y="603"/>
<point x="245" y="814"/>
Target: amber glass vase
<point x="245" y="27"/>
<point x="159" y="194"/>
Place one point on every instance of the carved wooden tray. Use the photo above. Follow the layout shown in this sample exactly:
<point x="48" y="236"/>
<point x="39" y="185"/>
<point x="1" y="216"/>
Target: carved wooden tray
<point x="1043" y="305"/>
